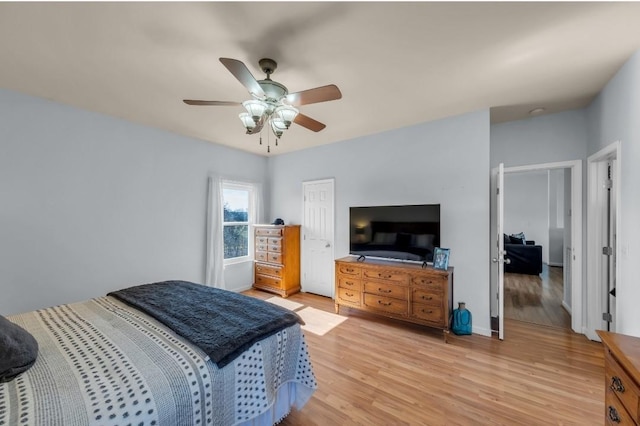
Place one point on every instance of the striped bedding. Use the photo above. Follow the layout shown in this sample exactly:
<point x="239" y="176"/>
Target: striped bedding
<point x="102" y="362"/>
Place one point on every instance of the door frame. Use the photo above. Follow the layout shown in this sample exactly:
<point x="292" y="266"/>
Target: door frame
<point x="303" y="247"/>
<point x="577" y="294"/>
<point x="594" y="234"/>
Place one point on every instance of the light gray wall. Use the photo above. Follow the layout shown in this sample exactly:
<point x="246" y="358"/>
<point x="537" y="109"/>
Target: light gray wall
<point x="91" y="203"/>
<point x="443" y="162"/>
<point x="613" y="116"/>
<point x="546" y="139"/>
<point x="556" y="217"/>
<point x="526" y="207"/>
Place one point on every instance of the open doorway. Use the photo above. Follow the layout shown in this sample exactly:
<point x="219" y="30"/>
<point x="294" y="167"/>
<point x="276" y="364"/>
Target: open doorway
<point x="603" y="200"/>
<point x="572" y="287"/>
<point x="536" y="209"/>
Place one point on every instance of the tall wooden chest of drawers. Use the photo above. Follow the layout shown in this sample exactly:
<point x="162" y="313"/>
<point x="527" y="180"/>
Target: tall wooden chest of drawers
<point x="622" y="378"/>
<point x="404" y="291"/>
<point x="277" y="258"/>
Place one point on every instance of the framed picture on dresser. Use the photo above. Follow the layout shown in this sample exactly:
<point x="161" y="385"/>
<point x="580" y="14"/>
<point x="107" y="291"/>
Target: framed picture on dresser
<point x="441" y="258"/>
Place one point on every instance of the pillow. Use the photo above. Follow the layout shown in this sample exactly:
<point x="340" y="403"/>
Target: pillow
<point x="518" y="238"/>
<point x="506" y="239"/>
<point x="18" y="350"/>
<point x="386" y="238"/>
<point x="423" y="240"/>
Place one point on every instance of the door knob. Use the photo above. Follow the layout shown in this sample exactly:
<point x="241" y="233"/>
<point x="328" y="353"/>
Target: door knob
<point x="328" y="245"/>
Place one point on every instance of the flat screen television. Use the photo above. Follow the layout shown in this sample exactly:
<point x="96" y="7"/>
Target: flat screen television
<point x="406" y="232"/>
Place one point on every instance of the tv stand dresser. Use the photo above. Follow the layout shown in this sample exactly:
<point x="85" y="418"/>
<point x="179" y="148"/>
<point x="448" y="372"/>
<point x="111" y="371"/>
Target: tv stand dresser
<point x="404" y="291"/>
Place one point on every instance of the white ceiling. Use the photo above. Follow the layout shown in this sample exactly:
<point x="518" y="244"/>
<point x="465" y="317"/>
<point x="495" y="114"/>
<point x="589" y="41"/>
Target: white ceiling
<point x="397" y="64"/>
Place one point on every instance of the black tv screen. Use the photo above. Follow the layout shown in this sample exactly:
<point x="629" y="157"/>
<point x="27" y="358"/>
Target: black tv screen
<point x="407" y="232"/>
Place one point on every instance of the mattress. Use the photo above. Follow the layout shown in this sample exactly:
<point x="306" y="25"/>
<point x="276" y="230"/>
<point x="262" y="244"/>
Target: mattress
<point x="103" y="362"/>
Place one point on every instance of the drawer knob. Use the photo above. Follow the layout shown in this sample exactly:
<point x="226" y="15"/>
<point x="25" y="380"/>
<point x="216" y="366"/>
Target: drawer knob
<point x="384" y="291"/>
<point x="380" y="302"/>
<point x="616" y="384"/>
<point x="613" y="415"/>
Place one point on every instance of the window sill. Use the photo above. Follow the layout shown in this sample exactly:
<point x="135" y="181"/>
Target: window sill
<point x="237" y="261"/>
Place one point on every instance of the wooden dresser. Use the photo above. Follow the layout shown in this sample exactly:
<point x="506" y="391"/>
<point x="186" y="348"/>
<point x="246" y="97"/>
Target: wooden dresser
<point x="277" y="258"/>
<point x="622" y="378"/>
<point x="404" y="291"/>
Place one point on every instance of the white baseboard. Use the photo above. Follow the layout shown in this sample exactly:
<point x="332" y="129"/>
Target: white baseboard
<point x="555" y="264"/>
<point x="481" y="331"/>
<point x="566" y="307"/>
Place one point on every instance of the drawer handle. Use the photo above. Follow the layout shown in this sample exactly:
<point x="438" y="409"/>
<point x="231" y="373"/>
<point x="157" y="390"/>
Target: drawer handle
<point x="384" y="291"/>
<point x="427" y="297"/>
<point x="613" y="415"/>
<point x="348" y="283"/>
<point x="380" y="302"/>
<point x="616" y="384"/>
<point x="386" y="277"/>
<point x="427" y="312"/>
<point x="348" y="294"/>
<point x="349" y="270"/>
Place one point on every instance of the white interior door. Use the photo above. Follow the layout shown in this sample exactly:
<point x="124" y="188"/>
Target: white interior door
<point x="497" y="247"/>
<point x="317" y="237"/>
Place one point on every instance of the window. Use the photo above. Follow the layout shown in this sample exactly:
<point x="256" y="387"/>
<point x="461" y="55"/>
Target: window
<point x="238" y="214"/>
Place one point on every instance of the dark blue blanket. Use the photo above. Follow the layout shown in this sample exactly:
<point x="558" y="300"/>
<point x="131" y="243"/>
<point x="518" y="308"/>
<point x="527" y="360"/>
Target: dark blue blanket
<point x="222" y="323"/>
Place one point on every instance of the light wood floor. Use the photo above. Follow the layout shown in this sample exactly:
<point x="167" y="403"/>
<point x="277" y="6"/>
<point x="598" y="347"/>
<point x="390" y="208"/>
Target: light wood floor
<point x="376" y="371"/>
<point x="536" y="298"/>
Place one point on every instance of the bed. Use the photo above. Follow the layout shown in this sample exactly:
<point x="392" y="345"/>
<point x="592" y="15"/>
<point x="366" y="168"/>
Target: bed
<point x="106" y="362"/>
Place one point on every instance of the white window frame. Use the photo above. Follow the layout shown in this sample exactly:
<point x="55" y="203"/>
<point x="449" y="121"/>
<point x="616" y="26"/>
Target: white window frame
<point x="251" y="216"/>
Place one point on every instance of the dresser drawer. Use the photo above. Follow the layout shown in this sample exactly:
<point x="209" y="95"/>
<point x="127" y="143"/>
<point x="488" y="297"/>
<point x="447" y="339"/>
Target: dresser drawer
<point x="263" y="269"/>
<point x="261" y="256"/>
<point x="380" y="274"/>
<point x="268" y="280"/>
<point x="428" y="297"/>
<point x="275" y="241"/>
<point x="618" y="382"/>
<point x="349" y="283"/>
<point x="388" y="290"/>
<point x="614" y="411"/>
<point x="432" y="282"/>
<point x="274" y="257"/>
<point x="261" y="247"/>
<point x="386" y="304"/>
<point x="275" y="248"/>
<point x="349" y="296"/>
<point x="426" y="312"/>
<point x="273" y="232"/>
<point x="349" y="270"/>
<point x="262" y="241"/>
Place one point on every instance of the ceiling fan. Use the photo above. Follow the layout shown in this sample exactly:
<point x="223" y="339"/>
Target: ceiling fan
<point x="272" y="104"/>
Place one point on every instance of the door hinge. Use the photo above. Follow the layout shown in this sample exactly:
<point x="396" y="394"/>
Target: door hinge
<point x="607" y="251"/>
<point x="606" y="316"/>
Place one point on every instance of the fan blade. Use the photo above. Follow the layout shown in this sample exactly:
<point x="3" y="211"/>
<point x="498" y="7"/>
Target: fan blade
<point x="206" y="103"/>
<point x="244" y="76"/>
<point x="312" y="96"/>
<point x="309" y="123"/>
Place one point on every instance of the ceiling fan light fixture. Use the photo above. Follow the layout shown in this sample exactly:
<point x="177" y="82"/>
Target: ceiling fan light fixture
<point x="255" y="108"/>
<point x="278" y="126"/>
<point x="247" y="121"/>
<point x="287" y="114"/>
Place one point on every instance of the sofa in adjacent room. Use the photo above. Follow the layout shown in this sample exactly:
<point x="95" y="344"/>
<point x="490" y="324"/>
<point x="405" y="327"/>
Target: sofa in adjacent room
<point x="525" y="256"/>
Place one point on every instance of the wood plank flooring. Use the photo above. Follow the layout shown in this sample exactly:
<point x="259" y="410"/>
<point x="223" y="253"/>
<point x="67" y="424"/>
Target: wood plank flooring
<point x="536" y="298"/>
<point x="377" y="371"/>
